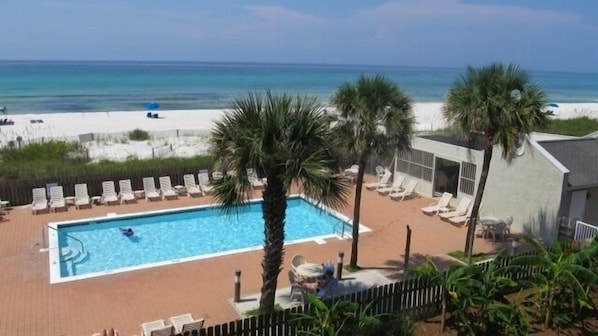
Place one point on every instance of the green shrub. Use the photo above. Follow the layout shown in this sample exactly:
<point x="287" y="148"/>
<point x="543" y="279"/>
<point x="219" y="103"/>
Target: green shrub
<point x="47" y="151"/>
<point x="575" y="127"/>
<point x="138" y="135"/>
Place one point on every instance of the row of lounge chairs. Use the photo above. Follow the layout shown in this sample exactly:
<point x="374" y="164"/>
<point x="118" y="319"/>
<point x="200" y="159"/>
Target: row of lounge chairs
<point x="182" y="324"/>
<point x="394" y="190"/>
<point x="109" y="196"/>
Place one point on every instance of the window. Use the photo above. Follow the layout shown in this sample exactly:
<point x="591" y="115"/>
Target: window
<point x="467" y="183"/>
<point x="416" y="163"/>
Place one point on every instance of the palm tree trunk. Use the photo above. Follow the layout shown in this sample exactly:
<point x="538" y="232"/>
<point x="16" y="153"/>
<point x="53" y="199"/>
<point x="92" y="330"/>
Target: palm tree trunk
<point x="357" y="210"/>
<point x="475" y="211"/>
<point x="273" y="209"/>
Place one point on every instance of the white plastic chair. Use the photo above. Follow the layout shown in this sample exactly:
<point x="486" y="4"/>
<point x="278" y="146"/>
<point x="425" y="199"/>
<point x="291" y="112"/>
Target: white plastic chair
<point x="192" y="189"/>
<point x="109" y="196"/>
<point x="166" y="188"/>
<point x="126" y="191"/>
<point x="149" y="186"/>
<point x="40" y="202"/>
<point x="57" y="201"/>
<point x="440" y="206"/>
<point x="81" y="196"/>
<point x="408" y="192"/>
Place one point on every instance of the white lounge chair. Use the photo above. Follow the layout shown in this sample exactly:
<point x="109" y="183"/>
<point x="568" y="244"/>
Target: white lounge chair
<point x="461" y="210"/>
<point x="57" y="201"/>
<point x="40" y="202"/>
<point x="81" y="196"/>
<point x="441" y="206"/>
<point x="204" y="182"/>
<point x="149" y="186"/>
<point x="126" y="192"/>
<point x="166" y="188"/>
<point x="383" y="183"/>
<point x="109" y="196"/>
<point x="397" y="182"/>
<point x="192" y="188"/>
<point x="408" y="192"/>
<point x="254" y="180"/>
<point x="156" y="328"/>
<point x="217" y="175"/>
<point x="354" y="170"/>
<point x="462" y="220"/>
<point x="186" y="323"/>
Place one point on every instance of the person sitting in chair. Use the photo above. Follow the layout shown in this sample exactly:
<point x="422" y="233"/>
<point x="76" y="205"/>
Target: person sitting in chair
<point x="322" y="287"/>
<point x="128" y="232"/>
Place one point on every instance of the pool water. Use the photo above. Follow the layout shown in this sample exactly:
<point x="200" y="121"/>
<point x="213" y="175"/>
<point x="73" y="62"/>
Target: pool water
<point x="188" y="233"/>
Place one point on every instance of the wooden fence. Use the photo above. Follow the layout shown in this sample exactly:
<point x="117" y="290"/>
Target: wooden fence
<point x="19" y="192"/>
<point x="416" y="297"/>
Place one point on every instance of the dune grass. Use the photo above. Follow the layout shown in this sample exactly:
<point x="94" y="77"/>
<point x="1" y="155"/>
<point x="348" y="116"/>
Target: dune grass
<point x="575" y="127"/>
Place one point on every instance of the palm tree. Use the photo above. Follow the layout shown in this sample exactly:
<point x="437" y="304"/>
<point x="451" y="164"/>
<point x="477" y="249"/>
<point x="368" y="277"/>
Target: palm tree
<point x="500" y="104"/>
<point x="285" y="139"/>
<point x="376" y="120"/>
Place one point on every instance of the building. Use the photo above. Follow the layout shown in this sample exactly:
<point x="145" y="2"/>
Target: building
<point x="549" y="178"/>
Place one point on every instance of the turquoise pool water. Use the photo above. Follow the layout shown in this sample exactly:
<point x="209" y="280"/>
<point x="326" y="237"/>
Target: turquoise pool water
<point x="189" y="233"/>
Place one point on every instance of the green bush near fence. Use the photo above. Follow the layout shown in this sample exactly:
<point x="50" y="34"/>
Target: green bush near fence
<point x="55" y="159"/>
<point x="139" y="135"/>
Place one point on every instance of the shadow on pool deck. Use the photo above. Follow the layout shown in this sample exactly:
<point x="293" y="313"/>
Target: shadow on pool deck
<point x="350" y="283"/>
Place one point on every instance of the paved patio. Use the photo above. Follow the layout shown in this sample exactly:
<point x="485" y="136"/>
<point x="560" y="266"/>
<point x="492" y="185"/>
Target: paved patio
<point x="204" y="288"/>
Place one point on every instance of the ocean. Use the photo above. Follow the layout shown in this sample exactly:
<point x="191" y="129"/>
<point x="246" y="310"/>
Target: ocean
<point x="91" y="86"/>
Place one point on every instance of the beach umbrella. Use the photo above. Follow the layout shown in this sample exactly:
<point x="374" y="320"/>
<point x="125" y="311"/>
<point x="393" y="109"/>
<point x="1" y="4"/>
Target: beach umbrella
<point x="153" y="106"/>
<point x="553" y="105"/>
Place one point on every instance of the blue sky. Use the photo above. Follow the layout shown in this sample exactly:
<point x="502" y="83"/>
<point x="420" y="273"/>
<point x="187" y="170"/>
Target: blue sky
<point x="537" y="34"/>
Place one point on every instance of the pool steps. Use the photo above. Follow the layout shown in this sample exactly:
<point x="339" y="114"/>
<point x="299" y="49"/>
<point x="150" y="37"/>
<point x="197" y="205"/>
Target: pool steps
<point x="71" y="256"/>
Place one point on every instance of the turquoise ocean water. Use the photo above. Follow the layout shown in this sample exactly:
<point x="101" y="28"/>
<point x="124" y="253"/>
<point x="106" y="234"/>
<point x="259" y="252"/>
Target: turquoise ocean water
<point x="52" y="86"/>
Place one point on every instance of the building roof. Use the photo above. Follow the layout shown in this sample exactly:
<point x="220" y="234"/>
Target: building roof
<point x="580" y="156"/>
<point x="457" y="141"/>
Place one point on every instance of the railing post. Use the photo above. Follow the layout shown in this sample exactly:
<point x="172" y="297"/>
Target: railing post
<point x="237" y="286"/>
<point x="339" y="266"/>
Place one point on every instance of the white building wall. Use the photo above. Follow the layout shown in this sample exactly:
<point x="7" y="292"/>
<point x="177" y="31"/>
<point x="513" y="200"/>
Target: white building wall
<point x="530" y="187"/>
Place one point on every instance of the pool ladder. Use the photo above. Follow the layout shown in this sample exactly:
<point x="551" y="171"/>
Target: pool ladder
<point x="69" y="255"/>
<point x="342" y="231"/>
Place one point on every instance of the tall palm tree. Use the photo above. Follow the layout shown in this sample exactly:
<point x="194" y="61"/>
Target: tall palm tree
<point x="500" y="104"/>
<point x="287" y="140"/>
<point x="376" y="120"/>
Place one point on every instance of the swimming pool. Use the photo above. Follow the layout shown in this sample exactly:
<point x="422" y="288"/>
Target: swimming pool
<point x="96" y="246"/>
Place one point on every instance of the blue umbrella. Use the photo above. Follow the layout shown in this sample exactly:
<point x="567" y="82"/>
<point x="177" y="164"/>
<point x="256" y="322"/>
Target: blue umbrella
<point x="553" y="105"/>
<point x="153" y="106"/>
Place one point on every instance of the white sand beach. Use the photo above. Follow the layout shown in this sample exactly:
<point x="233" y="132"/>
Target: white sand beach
<point x="175" y="133"/>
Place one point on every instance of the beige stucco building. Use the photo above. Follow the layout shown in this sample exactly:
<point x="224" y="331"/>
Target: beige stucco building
<point x="549" y="179"/>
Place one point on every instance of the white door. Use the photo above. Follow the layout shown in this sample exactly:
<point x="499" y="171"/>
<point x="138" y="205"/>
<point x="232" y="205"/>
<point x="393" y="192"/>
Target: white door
<point x="578" y="204"/>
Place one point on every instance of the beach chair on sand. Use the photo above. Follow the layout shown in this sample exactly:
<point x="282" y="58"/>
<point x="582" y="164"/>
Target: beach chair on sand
<point x="440" y="206"/>
<point x="204" y="182"/>
<point x="186" y="323"/>
<point x="40" y="202"/>
<point x="408" y="192"/>
<point x="156" y="328"/>
<point x="57" y="201"/>
<point x="149" y="186"/>
<point x="166" y="188"/>
<point x="109" y="196"/>
<point x="126" y="192"/>
<point x="192" y="188"/>
<point x="82" y="196"/>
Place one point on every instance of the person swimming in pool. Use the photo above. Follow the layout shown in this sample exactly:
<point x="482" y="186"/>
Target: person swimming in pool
<point x="127" y="232"/>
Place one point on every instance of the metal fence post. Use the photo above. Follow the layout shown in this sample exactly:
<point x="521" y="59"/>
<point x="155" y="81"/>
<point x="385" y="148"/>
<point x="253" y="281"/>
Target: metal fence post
<point x="237" y="286"/>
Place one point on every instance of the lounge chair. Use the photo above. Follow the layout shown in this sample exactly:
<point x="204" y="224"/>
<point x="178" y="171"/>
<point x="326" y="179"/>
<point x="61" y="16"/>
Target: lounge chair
<point x="57" y="201"/>
<point x="204" y="182"/>
<point x="156" y="328"/>
<point x="109" y="196"/>
<point x="408" y="192"/>
<point x="149" y="186"/>
<point x="186" y="323"/>
<point x="40" y="202"/>
<point x="461" y="210"/>
<point x="383" y="183"/>
<point x="166" y="188"/>
<point x="254" y="180"/>
<point x="126" y="192"/>
<point x="298" y="260"/>
<point x="81" y="196"/>
<point x="441" y="206"/>
<point x="192" y="188"/>
<point x="354" y="170"/>
<point x="217" y="175"/>
<point x="395" y="187"/>
<point x="380" y="172"/>
<point x="462" y="220"/>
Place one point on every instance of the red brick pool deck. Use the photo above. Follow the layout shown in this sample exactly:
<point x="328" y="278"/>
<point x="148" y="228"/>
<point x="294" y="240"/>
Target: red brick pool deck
<point x="33" y="306"/>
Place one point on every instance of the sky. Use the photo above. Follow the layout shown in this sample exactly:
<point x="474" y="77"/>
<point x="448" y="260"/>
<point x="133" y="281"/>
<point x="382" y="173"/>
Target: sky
<point x="536" y="34"/>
